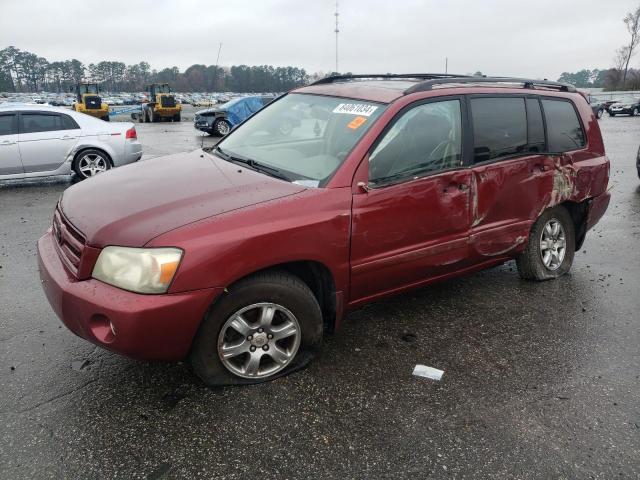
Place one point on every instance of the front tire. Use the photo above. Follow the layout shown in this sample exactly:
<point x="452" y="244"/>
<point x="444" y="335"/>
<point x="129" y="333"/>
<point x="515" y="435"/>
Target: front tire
<point x="90" y="163"/>
<point x="635" y="112"/>
<point x="265" y="326"/>
<point x="600" y="113"/>
<point x="221" y="127"/>
<point x="551" y="246"/>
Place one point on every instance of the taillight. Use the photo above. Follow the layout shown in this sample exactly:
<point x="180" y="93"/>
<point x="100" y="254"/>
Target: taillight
<point x="131" y="133"/>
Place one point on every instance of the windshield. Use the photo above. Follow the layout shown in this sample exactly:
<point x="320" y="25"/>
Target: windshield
<point x="305" y="137"/>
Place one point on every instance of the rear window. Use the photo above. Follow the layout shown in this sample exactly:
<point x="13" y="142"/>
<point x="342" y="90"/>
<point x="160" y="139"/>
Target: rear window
<point x="499" y="127"/>
<point x="563" y="127"/>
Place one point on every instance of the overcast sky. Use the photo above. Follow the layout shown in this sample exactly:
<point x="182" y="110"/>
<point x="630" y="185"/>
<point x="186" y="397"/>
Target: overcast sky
<point x="499" y="37"/>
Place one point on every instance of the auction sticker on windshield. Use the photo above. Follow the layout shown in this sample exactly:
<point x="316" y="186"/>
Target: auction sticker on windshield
<point x="355" y="109"/>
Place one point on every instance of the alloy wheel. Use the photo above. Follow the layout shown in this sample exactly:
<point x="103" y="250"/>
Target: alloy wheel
<point x="92" y="164"/>
<point x="259" y="340"/>
<point x="553" y="244"/>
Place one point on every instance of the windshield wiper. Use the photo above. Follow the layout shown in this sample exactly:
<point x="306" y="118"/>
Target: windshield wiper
<point x="257" y="166"/>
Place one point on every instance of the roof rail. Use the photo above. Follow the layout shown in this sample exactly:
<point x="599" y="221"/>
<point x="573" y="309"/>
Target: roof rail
<point x="526" y="83"/>
<point x="418" y="76"/>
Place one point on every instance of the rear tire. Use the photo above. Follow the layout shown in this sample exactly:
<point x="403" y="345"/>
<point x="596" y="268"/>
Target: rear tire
<point x="177" y="117"/>
<point x="90" y="163"/>
<point x="549" y="254"/>
<point x="294" y="304"/>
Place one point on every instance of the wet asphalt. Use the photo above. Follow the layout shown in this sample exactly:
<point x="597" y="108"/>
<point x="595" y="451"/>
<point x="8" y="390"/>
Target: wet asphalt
<point x="542" y="380"/>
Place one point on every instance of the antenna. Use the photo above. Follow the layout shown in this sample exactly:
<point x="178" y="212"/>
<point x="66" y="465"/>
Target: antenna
<point x="337" y="30"/>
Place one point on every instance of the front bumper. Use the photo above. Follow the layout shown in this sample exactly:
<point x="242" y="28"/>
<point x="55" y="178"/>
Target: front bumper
<point x="147" y="327"/>
<point x="621" y="111"/>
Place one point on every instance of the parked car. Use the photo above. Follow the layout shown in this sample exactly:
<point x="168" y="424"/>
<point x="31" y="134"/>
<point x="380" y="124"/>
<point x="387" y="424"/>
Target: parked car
<point x="625" y="106"/>
<point x="241" y="258"/>
<point x="37" y="141"/>
<point x="597" y="106"/>
<point x="220" y="120"/>
<point x="203" y="102"/>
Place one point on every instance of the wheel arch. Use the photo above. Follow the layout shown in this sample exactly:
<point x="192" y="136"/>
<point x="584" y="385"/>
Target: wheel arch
<point x="578" y="212"/>
<point x="317" y="276"/>
<point x="84" y="148"/>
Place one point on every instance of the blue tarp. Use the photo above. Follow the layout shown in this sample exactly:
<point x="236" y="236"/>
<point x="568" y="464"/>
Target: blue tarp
<point x="240" y="108"/>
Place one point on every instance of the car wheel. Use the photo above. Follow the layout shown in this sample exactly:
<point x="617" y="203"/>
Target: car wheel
<point x="141" y="116"/>
<point x="635" y="112"/>
<point x="600" y="113"/>
<point x="221" y="127"/>
<point x="265" y="326"/>
<point x="612" y="114"/>
<point x="177" y="117"/>
<point x="551" y="246"/>
<point x="90" y="163"/>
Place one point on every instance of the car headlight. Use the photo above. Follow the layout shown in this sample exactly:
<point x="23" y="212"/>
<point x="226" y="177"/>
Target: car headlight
<point x="141" y="270"/>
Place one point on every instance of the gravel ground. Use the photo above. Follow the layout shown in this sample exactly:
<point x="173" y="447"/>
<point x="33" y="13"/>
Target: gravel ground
<point x="541" y="379"/>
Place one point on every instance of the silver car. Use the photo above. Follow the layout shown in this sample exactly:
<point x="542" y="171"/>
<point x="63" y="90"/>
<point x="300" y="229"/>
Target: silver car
<point x="38" y="141"/>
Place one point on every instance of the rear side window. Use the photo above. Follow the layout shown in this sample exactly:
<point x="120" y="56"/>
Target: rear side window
<point x="563" y="127"/>
<point x="40" y="122"/>
<point x="499" y="127"/>
<point x="69" y="123"/>
<point x="8" y="125"/>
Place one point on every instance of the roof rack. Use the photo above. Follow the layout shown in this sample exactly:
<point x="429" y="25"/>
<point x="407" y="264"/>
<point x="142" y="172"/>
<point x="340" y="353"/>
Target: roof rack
<point x="391" y="76"/>
<point x="526" y="83"/>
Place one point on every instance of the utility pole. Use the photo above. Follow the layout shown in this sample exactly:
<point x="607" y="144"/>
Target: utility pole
<point x="337" y="30"/>
<point x="215" y="73"/>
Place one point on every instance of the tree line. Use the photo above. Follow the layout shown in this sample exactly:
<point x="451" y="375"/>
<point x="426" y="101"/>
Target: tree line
<point x="22" y="71"/>
<point x="621" y="76"/>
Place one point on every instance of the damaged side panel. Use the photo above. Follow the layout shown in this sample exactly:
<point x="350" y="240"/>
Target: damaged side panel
<point x="508" y="196"/>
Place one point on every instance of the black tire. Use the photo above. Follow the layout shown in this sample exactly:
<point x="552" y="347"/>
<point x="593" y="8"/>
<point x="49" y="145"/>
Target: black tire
<point x="177" y="117"/>
<point x="105" y="118"/>
<point x="275" y="287"/>
<point x="612" y="114"/>
<point x="221" y="127"/>
<point x="78" y="162"/>
<point x="600" y="113"/>
<point x="530" y="263"/>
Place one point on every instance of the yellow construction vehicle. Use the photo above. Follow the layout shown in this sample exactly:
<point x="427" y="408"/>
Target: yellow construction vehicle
<point x="88" y="101"/>
<point x="161" y="105"/>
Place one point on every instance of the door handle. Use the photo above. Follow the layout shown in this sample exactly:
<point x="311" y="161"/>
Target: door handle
<point x="67" y="137"/>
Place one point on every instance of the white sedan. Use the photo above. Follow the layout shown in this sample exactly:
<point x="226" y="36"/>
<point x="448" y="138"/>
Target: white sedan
<point x="39" y="141"/>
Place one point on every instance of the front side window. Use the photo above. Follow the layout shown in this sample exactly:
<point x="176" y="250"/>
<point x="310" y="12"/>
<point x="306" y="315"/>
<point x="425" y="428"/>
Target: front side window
<point x="499" y="127"/>
<point x="7" y="125"/>
<point x="304" y="137"/>
<point x="425" y="139"/>
<point x="40" y="122"/>
<point x="563" y="127"/>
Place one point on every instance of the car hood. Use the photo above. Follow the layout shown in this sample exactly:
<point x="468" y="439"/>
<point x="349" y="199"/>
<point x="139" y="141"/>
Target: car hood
<point x="209" y="110"/>
<point x="133" y="204"/>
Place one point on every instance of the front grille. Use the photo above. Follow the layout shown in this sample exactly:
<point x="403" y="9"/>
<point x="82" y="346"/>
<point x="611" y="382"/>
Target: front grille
<point x="93" y="102"/>
<point x="168" y="102"/>
<point x="70" y="242"/>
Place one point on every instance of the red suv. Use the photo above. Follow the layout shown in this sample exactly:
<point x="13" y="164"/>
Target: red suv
<point x="242" y="256"/>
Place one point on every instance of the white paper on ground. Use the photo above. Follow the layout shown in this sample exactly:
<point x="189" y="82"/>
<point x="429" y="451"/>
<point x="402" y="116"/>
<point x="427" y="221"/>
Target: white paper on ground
<point x="427" y="372"/>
